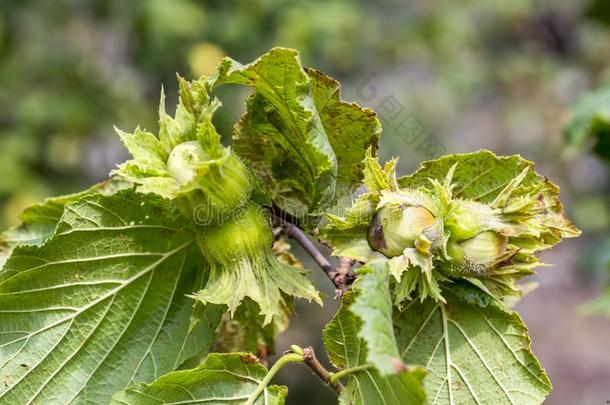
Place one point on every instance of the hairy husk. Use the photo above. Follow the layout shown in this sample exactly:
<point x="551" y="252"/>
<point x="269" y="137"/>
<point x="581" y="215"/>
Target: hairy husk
<point x="243" y="264"/>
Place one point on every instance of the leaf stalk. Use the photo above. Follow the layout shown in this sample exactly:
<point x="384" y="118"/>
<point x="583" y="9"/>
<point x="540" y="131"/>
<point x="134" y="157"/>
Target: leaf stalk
<point x="342" y="277"/>
<point x="279" y="364"/>
<point x="334" y="377"/>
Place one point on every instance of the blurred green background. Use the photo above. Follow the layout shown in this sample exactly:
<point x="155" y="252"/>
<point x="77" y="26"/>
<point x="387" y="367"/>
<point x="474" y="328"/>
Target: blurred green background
<point x="444" y="76"/>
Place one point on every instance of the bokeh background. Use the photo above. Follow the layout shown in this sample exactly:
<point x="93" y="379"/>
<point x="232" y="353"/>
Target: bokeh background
<point x="445" y="77"/>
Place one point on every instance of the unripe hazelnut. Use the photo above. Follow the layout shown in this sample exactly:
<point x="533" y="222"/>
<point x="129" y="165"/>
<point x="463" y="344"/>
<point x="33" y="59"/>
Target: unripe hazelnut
<point x="395" y="228"/>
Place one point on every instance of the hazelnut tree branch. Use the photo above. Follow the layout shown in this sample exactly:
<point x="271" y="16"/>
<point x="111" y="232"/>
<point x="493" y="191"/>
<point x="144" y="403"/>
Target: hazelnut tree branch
<point x="310" y="360"/>
<point x="342" y="277"/>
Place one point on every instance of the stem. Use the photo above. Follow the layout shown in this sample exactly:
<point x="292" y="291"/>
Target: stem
<point x="297" y="234"/>
<point x="340" y="374"/>
<point x="342" y="277"/>
<point x="309" y="359"/>
<point x="279" y="364"/>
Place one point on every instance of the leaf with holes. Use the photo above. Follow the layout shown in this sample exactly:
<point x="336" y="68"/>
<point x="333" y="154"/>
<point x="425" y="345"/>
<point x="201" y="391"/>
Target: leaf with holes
<point x="101" y="304"/>
<point x="281" y="133"/>
<point x="475" y="351"/>
<point x="350" y="129"/>
<point x="303" y="140"/>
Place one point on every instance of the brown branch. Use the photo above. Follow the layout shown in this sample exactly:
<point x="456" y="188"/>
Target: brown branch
<point x="309" y="359"/>
<point x="297" y="234"/>
<point x="342" y="277"/>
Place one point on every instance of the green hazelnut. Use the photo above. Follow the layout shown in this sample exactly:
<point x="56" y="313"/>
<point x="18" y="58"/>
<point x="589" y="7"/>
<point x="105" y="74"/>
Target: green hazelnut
<point x="184" y="159"/>
<point x="214" y="188"/>
<point x="248" y="234"/>
<point x="466" y="219"/>
<point x="395" y="228"/>
<point x="484" y="248"/>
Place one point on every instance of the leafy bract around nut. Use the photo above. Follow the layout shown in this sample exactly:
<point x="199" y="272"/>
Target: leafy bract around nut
<point x="211" y="186"/>
<point x="243" y="264"/>
<point x="187" y="162"/>
<point x="476" y="216"/>
<point x="300" y="137"/>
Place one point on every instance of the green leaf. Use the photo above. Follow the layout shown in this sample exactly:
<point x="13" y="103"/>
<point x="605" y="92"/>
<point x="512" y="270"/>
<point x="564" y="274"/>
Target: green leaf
<point x="479" y="176"/>
<point x="590" y="124"/>
<point x="475" y="350"/>
<point x="346" y="349"/>
<point x="281" y="133"/>
<point x="351" y="130"/>
<point x="101" y="304"/>
<point x="222" y="378"/>
<point x="38" y="222"/>
<point x="373" y="305"/>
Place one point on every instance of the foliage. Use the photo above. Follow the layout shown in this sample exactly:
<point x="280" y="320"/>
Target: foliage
<point x="221" y="377"/>
<point x="106" y="292"/>
<point x="475" y="350"/>
<point x="361" y="334"/>
<point x="589" y="128"/>
<point x="590" y="124"/>
<point x="463" y="200"/>
<point x="128" y="292"/>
